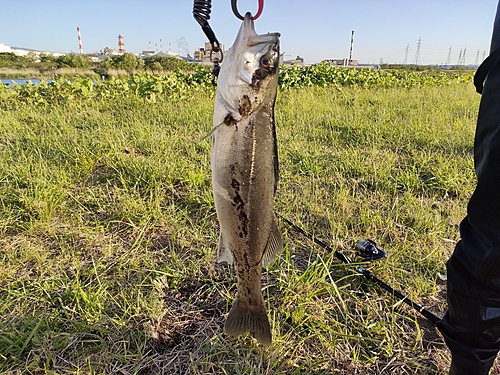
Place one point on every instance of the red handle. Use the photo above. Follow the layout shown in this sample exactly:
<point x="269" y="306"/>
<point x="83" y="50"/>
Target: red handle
<point x="239" y="16"/>
<point x="259" y="12"/>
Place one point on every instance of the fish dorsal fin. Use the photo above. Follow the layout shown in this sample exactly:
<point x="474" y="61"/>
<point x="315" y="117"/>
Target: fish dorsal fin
<point x="274" y="244"/>
<point x="223" y="252"/>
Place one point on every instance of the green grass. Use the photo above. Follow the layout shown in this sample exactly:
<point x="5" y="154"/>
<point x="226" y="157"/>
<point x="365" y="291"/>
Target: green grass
<point x="108" y="234"/>
<point x="26" y="73"/>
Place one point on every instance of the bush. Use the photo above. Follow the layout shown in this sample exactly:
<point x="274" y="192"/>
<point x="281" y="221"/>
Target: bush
<point x="73" y="60"/>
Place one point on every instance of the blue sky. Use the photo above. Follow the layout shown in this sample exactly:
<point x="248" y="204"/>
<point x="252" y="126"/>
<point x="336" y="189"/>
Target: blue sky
<point x="313" y="29"/>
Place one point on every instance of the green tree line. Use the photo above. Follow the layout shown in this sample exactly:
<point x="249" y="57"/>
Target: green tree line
<point x="126" y="61"/>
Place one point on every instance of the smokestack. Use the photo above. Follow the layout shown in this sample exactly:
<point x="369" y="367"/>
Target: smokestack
<point x="350" y="50"/>
<point x="121" y="46"/>
<point x="80" y="47"/>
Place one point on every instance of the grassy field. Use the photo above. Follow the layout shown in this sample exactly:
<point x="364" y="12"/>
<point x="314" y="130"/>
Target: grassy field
<point x="108" y="234"/>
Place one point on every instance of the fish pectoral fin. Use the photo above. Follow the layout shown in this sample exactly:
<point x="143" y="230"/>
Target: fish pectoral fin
<point x="243" y="319"/>
<point x="274" y="244"/>
<point x="212" y="131"/>
<point x="223" y="252"/>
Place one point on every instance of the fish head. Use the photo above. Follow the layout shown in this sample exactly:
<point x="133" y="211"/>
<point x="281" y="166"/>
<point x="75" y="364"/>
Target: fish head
<point x="249" y="72"/>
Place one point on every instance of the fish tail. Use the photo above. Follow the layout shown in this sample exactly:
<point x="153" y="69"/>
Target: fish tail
<point x="243" y="318"/>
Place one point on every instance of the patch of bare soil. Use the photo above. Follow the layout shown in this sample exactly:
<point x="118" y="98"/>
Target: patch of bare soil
<point x="195" y="314"/>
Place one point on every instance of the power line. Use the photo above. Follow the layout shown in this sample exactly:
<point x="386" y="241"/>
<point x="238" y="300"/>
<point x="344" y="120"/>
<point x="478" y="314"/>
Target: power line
<point x="426" y="52"/>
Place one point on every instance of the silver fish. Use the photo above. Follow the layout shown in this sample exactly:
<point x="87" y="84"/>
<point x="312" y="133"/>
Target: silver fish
<point x="244" y="164"/>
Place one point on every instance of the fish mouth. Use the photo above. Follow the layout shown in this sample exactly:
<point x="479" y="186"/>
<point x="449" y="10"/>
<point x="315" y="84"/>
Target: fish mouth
<point x="249" y="61"/>
<point x="248" y="21"/>
<point x="256" y="39"/>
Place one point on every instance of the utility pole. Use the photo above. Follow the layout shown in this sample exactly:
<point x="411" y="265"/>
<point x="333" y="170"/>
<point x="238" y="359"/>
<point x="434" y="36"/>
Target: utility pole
<point x="463" y="56"/>
<point x="405" y="62"/>
<point x="459" y="61"/>
<point x="417" y="54"/>
<point x="477" y="58"/>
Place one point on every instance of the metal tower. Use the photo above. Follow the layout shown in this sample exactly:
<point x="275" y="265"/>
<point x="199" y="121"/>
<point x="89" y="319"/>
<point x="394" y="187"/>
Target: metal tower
<point x="417" y="54"/>
<point x="405" y="62"/>
<point x="449" y="56"/>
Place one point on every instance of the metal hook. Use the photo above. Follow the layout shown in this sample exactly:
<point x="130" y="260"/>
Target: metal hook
<point x="238" y="15"/>
<point x="219" y="50"/>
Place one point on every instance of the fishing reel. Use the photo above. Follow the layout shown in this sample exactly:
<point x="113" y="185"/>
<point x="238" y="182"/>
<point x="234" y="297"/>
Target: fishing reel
<point x="369" y="250"/>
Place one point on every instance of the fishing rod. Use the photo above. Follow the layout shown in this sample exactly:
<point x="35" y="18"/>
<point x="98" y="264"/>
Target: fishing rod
<point x="369" y="251"/>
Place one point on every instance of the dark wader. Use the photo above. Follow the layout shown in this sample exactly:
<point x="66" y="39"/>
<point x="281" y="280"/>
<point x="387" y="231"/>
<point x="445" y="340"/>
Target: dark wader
<point x="471" y="326"/>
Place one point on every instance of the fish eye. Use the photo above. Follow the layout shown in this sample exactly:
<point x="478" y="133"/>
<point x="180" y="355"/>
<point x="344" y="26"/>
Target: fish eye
<point x="266" y="63"/>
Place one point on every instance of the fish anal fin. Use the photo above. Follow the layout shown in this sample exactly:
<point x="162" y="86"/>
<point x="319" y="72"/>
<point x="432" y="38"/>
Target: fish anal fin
<point x="274" y="244"/>
<point x="243" y="318"/>
<point x="223" y="252"/>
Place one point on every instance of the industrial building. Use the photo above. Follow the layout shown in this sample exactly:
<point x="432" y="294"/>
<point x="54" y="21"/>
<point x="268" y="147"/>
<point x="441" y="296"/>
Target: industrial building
<point x="342" y="62"/>
<point x="299" y="61"/>
<point x="25" y="51"/>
